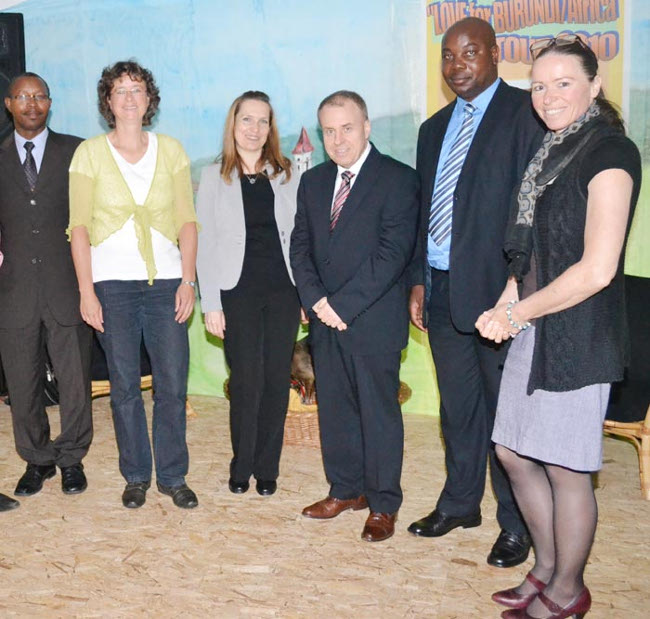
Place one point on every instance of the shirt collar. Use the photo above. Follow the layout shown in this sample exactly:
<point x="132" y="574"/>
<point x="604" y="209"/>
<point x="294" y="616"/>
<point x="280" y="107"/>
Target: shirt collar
<point x="481" y="101"/>
<point x="38" y="141"/>
<point x="356" y="166"/>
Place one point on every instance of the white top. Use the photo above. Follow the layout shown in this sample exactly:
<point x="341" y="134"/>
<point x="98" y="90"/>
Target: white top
<point x="118" y="257"/>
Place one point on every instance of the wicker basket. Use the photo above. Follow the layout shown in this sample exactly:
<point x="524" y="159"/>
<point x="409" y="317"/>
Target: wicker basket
<point x="301" y="426"/>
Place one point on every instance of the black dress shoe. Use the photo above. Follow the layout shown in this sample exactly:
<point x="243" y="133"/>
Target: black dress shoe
<point x="238" y="487"/>
<point x="438" y="523"/>
<point x="7" y="503"/>
<point x="266" y="488"/>
<point x="32" y="480"/>
<point x="135" y="494"/>
<point x="510" y="549"/>
<point x="181" y="495"/>
<point x="73" y="479"/>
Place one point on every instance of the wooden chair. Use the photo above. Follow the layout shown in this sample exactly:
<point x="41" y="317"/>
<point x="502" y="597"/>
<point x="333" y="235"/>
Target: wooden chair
<point x="639" y="433"/>
<point x="103" y="387"/>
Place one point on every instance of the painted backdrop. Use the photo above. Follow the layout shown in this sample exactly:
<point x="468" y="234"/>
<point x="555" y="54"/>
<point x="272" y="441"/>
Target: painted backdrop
<point x="206" y="52"/>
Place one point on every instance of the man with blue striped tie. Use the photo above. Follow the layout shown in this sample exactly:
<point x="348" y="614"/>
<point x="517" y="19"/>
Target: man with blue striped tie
<point x="470" y="156"/>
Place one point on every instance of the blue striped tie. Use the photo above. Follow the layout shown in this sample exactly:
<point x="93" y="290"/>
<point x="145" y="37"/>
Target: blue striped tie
<point x="443" y="195"/>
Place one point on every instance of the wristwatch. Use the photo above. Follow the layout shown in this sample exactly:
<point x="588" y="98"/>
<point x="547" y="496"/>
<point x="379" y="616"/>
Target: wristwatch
<point x="193" y="284"/>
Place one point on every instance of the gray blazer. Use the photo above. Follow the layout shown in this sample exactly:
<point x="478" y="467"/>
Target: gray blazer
<point x="222" y="239"/>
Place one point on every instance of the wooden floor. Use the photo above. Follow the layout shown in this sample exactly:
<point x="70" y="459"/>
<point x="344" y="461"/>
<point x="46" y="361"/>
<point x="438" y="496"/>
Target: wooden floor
<point x="252" y="556"/>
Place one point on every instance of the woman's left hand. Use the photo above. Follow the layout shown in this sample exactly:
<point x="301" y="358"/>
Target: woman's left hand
<point x="494" y="325"/>
<point x="184" y="302"/>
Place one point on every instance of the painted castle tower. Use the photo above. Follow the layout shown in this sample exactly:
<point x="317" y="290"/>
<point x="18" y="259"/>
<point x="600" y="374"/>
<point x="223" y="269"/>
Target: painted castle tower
<point x="302" y="152"/>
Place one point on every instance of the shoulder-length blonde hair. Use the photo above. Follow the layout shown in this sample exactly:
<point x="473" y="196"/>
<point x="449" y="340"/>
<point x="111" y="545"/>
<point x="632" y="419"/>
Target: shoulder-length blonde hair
<point x="271" y="153"/>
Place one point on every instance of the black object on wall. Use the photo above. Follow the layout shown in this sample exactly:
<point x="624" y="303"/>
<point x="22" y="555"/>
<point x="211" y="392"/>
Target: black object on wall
<point x="630" y="399"/>
<point x="12" y="60"/>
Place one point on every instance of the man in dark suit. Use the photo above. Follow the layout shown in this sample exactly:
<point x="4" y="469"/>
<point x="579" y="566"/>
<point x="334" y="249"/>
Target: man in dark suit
<point x="39" y="298"/>
<point x="354" y="236"/>
<point x="470" y="156"/>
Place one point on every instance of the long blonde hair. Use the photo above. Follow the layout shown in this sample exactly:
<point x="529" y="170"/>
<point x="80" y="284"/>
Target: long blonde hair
<point x="271" y="153"/>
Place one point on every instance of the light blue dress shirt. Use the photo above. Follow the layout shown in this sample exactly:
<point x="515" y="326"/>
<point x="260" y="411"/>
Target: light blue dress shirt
<point x="38" y="150"/>
<point x="438" y="255"/>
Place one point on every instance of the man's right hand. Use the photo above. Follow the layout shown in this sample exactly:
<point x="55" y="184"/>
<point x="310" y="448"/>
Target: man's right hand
<point x="327" y="315"/>
<point x="416" y="307"/>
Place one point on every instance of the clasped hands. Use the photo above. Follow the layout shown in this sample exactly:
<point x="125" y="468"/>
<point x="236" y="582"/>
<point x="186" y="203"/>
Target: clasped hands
<point x="493" y="324"/>
<point x="327" y="315"/>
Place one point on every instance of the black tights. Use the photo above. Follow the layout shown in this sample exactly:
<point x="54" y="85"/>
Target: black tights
<point x="560" y="510"/>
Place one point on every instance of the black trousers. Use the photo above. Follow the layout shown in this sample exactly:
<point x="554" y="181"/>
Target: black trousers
<point x="23" y="356"/>
<point x="469" y="373"/>
<point x="260" y="335"/>
<point x="361" y="427"/>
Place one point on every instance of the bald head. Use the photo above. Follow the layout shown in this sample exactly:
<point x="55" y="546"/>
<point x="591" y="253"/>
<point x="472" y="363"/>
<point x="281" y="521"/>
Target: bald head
<point x="479" y="28"/>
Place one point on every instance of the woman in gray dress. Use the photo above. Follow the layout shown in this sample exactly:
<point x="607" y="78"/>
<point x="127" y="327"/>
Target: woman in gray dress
<point x="564" y="302"/>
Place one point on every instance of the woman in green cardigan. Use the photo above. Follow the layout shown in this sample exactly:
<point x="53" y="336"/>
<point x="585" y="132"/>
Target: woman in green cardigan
<point x="134" y="235"/>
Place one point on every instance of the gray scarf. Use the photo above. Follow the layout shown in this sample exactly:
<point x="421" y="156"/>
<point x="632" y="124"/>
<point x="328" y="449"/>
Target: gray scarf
<point x="555" y="153"/>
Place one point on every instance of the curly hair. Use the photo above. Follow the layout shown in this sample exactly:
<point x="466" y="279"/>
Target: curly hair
<point x="271" y="154"/>
<point x="138" y="74"/>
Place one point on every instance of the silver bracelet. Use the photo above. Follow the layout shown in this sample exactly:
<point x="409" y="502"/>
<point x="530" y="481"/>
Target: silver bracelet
<point x="193" y="284"/>
<point x="516" y="325"/>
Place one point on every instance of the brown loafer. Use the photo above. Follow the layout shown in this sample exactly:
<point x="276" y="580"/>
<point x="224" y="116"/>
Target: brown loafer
<point x="379" y="527"/>
<point x="331" y="507"/>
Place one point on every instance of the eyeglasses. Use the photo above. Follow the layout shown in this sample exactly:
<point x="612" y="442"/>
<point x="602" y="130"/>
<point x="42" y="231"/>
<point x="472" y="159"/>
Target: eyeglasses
<point x="559" y="41"/>
<point x="39" y="98"/>
<point x="134" y="92"/>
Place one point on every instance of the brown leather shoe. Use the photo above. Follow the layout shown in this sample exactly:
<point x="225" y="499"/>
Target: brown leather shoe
<point x="331" y="507"/>
<point x="379" y="527"/>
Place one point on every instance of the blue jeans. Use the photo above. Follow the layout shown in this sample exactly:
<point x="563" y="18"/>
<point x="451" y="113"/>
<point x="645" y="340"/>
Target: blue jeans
<point x="133" y="310"/>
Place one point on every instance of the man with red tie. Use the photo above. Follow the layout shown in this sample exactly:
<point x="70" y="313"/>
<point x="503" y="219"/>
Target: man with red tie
<point x="354" y="236"/>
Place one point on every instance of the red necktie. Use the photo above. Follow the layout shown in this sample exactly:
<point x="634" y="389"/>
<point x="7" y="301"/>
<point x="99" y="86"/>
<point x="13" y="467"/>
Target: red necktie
<point x="340" y="198"/>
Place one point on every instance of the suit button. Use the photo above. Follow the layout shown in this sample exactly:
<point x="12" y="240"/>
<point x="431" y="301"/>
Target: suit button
<point x="32" y="202"/>
<point x="34" y="261"/>
<point x="35" y="231"/>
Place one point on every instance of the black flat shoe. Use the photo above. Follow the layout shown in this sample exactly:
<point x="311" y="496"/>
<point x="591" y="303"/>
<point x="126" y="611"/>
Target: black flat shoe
<point x="266" y="488"/>
<point x="32" y="480"/>
<point x="438" y="523"/>
<point x="510" y="549"/>
<point x="182" y="495"/>
<point x="73" y="479"/>
<point x="238" y="487"/>
<point x="135" y="494"/>
<point x="7" y="503"/>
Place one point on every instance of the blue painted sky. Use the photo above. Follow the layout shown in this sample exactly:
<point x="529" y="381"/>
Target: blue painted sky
<point x="204" y="53"/>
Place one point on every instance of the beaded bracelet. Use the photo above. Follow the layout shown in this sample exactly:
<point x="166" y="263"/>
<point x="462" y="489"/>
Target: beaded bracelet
<point x="516" y="325"/>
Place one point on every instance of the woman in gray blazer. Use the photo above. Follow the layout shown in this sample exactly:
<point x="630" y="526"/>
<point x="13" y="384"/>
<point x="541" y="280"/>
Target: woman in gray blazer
<point x="246" y="205"/>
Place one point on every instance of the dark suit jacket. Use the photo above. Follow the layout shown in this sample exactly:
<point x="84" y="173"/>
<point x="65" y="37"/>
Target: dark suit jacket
<point x="360" y="266"/>
<point x="509" y="135"/>
<point x="32" y="236"/>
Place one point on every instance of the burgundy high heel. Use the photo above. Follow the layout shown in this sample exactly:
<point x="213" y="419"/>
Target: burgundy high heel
<point x="512" y="599"/>
<point x="578" y="608"/>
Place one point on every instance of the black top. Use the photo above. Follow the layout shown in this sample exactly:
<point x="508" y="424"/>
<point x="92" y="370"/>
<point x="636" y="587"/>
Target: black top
<point x="587" y="343"/>
<point x="264" y="270"/>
